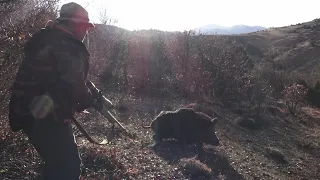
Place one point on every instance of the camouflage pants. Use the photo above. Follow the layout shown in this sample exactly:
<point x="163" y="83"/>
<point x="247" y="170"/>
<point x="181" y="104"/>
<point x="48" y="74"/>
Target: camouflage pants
<point x="56" y="145"/>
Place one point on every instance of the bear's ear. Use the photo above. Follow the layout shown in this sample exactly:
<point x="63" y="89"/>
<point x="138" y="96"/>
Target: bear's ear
<point x="214" y="121"/>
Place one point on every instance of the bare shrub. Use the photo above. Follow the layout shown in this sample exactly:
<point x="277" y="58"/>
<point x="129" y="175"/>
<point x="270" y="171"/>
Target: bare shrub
<point x="276" y="154"/>
<point x="294" y="96"/>
<point x="261" y="89"/>
<point x="224" y="67"/>
<point x="181" y="63"/>
<point x="272" y="73"/>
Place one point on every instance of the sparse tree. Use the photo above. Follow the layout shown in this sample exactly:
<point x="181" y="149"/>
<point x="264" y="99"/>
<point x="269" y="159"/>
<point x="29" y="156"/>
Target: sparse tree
<point x="105" y="18"/>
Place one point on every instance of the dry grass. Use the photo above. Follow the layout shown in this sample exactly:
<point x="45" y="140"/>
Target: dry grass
<point x="195" y="169"/>
<point x="242" y="154"/>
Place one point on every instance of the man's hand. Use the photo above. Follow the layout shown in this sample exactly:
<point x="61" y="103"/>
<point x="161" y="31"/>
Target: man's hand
<point x="97" y="96"/>
<point x="97" y="100"/>
<point x="85" y="104"/>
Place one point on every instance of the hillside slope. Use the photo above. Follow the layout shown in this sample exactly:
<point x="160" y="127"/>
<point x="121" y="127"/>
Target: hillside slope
<point x="244" y="153"/>
<point x="295" y="47"/>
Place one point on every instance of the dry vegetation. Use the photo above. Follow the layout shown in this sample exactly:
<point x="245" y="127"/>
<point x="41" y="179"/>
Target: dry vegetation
<point x="267" y="127"/>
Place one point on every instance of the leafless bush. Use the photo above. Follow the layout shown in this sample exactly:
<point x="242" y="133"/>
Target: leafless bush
<point x="276" y="154"/>
<point x="25" y="18"/>
<point x="154" y="62"/>
<point x="263" y="88"/>
<point x="294" y="97"/>
<point x="273" y="75"/>
<point x="225" y="67"/>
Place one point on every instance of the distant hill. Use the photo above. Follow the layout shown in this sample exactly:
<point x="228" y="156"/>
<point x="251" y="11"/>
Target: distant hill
<point x="238" y="29"/>
<point x="294" y="48"/>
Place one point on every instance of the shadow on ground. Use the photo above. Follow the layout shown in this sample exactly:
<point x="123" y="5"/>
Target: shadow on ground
<point x="220" y="166"/>
<point x="172" y="152"/>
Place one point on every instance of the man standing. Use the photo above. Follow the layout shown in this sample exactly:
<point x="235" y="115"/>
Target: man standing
<point x="50" y="87"/>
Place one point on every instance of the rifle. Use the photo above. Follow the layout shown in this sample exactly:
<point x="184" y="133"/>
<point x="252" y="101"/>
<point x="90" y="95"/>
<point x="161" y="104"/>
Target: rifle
<point x="103" y="110"/>
<point x="107" y="104"/>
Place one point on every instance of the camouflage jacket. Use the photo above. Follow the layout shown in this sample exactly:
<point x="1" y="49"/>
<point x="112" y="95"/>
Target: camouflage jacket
<point x="51" y="77"/>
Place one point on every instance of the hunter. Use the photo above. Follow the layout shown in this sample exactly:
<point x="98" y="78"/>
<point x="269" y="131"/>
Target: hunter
<point x="49" y="89"/>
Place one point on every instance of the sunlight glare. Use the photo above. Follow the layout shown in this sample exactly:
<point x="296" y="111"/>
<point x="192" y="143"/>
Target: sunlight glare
<point x="179" y="15"/>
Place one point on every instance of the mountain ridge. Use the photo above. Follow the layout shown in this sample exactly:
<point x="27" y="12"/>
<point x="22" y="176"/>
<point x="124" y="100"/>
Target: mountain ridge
<point x="236" y="29"/>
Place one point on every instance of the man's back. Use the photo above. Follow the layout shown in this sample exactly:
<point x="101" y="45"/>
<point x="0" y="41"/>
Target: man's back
<point x="47" y="54"/>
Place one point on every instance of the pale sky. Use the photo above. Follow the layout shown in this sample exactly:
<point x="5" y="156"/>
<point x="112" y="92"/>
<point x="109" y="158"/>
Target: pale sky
<point x="179" y="15"/>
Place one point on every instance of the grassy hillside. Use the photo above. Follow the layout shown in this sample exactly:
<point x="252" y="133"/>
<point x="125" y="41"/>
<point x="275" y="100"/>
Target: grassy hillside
<point x="295" y="48"/>
<point x="240" y="78"/>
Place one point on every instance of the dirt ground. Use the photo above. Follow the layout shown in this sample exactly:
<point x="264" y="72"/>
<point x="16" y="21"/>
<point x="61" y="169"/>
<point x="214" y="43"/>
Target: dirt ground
<point x="243" y="154"/>
<point x="287" y="147"/>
